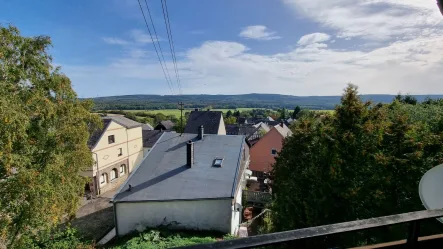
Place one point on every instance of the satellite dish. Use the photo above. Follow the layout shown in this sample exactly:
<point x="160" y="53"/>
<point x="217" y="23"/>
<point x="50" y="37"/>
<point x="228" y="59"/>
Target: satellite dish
<point x="431" y="189"/>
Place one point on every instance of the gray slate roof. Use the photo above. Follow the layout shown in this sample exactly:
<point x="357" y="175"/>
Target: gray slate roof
<point x="165" y="125"/>
<point x="125" y="122"/>
<point x="164" y="175"/>
<point x="209" y="119"/>
<point x="150" y="137"/>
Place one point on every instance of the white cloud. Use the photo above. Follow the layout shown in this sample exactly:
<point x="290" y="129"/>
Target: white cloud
<point x="220" y="67"/>
<point x="140" y="36"/>
<point x="258" y="32"/>
<point x="116" y="41"/>
<point x="313" y="38"/>
<point x="397" y="48"/>
<point x="371" y="19"/>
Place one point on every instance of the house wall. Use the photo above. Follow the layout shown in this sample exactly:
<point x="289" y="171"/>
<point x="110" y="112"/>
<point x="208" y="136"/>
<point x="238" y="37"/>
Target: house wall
<point x="107" y="156"/>
<point x="211" y="215"/>
<point x="236" y="216"/>
<point x="222" y="127"/>
<point x="261" y="157"/>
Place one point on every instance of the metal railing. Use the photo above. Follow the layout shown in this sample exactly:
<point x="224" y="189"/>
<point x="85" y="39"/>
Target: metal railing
<point x="256" y="197"/>
<point x="413" y="218"/>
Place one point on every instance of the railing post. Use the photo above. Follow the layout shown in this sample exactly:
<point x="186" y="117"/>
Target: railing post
<point x="414" y="231"/>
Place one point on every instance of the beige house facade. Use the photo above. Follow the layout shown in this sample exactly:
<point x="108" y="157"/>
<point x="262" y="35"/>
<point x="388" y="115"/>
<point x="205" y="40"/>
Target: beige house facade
<point x="116" y="149"/>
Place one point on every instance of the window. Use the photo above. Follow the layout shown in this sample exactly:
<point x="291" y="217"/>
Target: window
<point x="122" y="169"/>
<point x="274" y="151"/>
<point x="120" y="151"/>
<point x="103" y="178"/>
<point x="113" y="174"/>
<point x="218" y="162"/>
<point x="111" y="139"/>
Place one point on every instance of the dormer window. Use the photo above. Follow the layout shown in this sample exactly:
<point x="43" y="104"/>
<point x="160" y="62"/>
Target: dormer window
<point x="218" y="162"/>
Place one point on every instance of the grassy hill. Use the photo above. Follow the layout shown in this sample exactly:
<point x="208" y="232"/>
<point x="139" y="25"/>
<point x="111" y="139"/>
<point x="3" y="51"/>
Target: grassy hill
<point x="271" y="101"/>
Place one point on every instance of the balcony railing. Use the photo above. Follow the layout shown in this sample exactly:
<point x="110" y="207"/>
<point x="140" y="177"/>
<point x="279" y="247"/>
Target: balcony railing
<point x="256" y="197"/>
<point x="413" y="219"/>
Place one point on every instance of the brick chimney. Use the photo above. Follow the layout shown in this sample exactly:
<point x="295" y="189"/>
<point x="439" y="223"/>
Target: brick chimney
<point x="189" y="153"/>
<point x="201" y="132"/>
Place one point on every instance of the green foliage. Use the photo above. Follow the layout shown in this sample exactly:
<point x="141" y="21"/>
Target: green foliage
<point x="44" y="131"/>
<point x="407" y="99"/>
<point x="297" y="109"/>
<point x="283" y="113"/>
<point x="229" y="114"/>
<point x="364" y="161"/>
<point x="230" y="120"/>
<point x="157" y="239"/>
<point x="58" y="239"/>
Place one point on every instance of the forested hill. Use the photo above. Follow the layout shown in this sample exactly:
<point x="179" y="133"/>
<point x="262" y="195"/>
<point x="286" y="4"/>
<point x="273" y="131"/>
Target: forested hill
<point x="142" y="102"/>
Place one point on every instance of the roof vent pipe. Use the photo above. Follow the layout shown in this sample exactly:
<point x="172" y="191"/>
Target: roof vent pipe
<point x="201" y="132"/>
<point x="189" y="153"/>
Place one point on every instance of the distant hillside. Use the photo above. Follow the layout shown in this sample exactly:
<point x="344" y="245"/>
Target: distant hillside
<point x="272" y="101"/>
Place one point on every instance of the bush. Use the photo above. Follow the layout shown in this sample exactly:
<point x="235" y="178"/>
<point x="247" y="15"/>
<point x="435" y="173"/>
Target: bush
<point x="59" y="239"/>
<point x="157" y="239"/>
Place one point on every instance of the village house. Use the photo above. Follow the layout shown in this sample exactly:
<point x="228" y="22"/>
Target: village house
<point x="166" y="125"/>
<point x="187" y="181"/>
<point x="117" y="149"/>
<point x="264" y="151"/>
<point x="211" y="120"/>
<point x="150" y="137"/>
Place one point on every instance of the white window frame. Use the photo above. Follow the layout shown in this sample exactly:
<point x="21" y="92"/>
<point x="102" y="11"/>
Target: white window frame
<point x="272" y="151"/>
<point x="113" y="174"/>
<point x="120" y="151"/>
<point x="103" y="179"/>
<point x="113" y="138"/>
<point x="122" y="169"/>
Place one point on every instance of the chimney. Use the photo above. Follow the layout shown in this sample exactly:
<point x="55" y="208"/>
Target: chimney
<point x="190" y="153"/>
<point x="282" y="123"/>
<point x="201" y="132"/>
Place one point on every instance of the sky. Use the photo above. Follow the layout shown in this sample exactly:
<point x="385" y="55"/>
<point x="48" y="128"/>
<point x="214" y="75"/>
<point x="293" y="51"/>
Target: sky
<point x="291" y="47"/>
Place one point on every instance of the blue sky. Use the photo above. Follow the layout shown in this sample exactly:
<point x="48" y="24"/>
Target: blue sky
<point x="295" y="47"/>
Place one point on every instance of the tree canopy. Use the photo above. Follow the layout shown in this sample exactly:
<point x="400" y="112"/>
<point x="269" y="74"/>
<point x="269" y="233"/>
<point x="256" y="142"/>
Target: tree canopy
<point x="365" y="161"/>
<point x="44" y="130"/>
<point x="297" y="109"/>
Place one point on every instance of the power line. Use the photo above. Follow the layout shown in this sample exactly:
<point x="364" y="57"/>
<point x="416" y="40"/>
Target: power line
<point x="158" y="42"/>
<point x="168" y="80"/>
<point x="171" y="41"/>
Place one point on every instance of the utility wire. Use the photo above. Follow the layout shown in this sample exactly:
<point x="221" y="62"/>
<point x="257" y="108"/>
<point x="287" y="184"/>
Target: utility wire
<point x="158" y="42"/>
<point x="171" y="42"/>
<point x="167" y="77"/>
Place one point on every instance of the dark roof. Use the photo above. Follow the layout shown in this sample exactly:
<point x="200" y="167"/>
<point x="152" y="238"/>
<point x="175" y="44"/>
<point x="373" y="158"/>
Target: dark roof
<point x="164" y="175"/>
<point x="247" y="130"/>
<point x="150" y="137"/>
<point x="232" y="129"/>
<point x="243" y="129"/>
<point x="165" y="125"/>
<point x="96" y="134"/>
<point x="209" y="119"/>
<point x="125" y="122"/>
